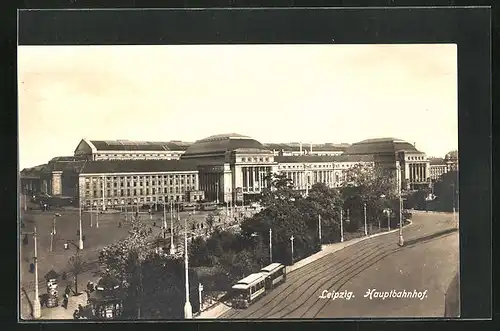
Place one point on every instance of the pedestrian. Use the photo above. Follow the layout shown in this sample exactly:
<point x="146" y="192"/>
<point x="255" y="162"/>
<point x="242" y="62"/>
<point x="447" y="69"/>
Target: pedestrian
<point x="150" y="230"/>
<point x="66" y="246"/>
<point x="119" y="224"/>
<point x="154" y="224"/>
<point x="77" y="233"/>
<point x="83" y="238"/>
<point x="32" y="267"/>
<point x="65" y="301"/>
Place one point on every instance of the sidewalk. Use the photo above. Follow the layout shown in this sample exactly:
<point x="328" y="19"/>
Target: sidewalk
<point x="221" y="308"/>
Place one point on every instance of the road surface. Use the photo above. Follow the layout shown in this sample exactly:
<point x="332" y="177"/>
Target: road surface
<point x="424" y="266"/>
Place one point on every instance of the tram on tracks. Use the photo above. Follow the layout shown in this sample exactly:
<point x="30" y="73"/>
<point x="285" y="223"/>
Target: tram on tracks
<point x="256" y="285"/>
<point x="276" y="274"/>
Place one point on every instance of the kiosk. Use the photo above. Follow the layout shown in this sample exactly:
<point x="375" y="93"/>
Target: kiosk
<point x="106" y="301"/>
<point x="52" y="300"/>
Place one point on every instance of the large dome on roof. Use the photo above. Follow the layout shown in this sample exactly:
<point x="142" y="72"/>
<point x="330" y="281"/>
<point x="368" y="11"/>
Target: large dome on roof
<point x="222" y="143"/>
<point x="380" y="146"/>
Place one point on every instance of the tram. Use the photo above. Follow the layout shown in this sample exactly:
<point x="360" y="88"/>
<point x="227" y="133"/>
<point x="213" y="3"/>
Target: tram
<point x="275" y="275"/>
<point x="248" y="290"/>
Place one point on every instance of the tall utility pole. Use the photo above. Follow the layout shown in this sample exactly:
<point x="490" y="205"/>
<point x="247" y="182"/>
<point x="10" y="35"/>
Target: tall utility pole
<point x="188" y="310"/>
<point x="217" y="192"/>
<point x="103" y="195"/>
<point x="292" y="238"/>
<point x="271" y="245"/>
<point x="319" y="230"/>
<point x="91" y="220"/>
<point x="401" y="240"/>
<point x="341" y="226"/>
<point x="366" y="227"/>
<point x="80" y="241"/>
<point x="37" y="310"/>
<point x="172" y="247"/>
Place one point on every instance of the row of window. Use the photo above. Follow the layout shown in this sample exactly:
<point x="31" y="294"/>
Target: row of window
<point x="134" y="192"/>
<point x="317" y="166"/>
<point x="135" y="183"/>
<point x="131" y="201"/>
<point x="254" y="159"/>
<point x="147" y="178"/>
<point x="134" y="155"/>
<point x="414" y="158"/>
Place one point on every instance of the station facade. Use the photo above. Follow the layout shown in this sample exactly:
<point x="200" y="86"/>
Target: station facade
<point x="222" y="168"/>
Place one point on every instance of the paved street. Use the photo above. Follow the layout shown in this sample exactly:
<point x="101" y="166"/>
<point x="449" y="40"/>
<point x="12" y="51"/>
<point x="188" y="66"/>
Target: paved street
<point x="427" y="262"/>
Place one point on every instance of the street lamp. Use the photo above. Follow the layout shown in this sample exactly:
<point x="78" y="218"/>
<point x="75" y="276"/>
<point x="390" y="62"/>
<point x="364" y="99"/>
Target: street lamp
<point x="54" y="222"/>
<point x="172" y="247"/>
<point x="200" y="289"/>
<point x="388" y="212"/>
<point x="341" y="226"/>
<point x="80" y="241"/>
<point x="270" y="245"/>
<point x="319" y="231"/>
<point x="292" y="238"/>
<point x="91" y="219"/>
<point x="188" y="310"/>
<point x="401" y="240"/>
<point x="366" y="227"/>
<point x="217" y="192"/>
<point x="37" y="309"/>
<point x="97" y="217"/>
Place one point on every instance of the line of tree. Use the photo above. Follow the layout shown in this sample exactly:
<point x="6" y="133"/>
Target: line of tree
<point x="154" y="284"/>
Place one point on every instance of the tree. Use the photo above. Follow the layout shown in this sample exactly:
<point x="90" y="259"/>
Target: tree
<point x="446" y="191"/>
<point x="368" y="184"/>
<point x="210" y="221"/>
<point x="199" y="254"/>
<point x="76" y="267"/>
<point x="285" y="213"/>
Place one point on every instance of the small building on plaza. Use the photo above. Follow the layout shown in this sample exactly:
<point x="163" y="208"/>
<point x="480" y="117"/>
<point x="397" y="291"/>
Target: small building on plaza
<point x="106" y="302"/>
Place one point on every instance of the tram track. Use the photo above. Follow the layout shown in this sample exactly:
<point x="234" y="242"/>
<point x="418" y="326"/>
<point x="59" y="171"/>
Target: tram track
<point x="296" y="277"/>
<point x="276" y="304"/>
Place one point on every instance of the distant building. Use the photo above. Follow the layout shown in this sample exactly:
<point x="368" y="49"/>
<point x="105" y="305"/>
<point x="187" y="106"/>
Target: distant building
<point x="297" y="149"/>
<point x="389" y="153"/>
<point x="130" y="150"/>
<point x="113" y="183"/>
<point x="441" y="166"/>
<point x="225" y="167"/>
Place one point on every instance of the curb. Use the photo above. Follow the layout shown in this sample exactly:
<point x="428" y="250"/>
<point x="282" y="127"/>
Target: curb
<point x="346" y="244"/>
<point x="290" y="268"/>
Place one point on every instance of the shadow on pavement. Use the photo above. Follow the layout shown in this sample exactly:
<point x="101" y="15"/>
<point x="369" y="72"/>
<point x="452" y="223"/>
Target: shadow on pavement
<point x="429" y="237"/>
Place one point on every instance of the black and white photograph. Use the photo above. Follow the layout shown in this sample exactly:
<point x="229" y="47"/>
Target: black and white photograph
<point x="234" y="182"/>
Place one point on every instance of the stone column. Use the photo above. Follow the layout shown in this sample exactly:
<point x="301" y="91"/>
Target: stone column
<point x="57" y="182"/>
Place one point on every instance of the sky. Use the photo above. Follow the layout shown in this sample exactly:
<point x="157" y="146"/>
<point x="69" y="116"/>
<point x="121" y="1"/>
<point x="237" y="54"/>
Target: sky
<point x="273" y="93"/>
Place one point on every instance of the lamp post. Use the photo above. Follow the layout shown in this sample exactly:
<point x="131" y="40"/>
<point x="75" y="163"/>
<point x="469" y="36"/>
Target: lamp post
<point x="37" y="310"/>
<point x="54" y="223"/>
<point x="172" y="247"/>
<point x="200" y="289"/>
<point x="401" y="240"/>
<point x="217" y="192"/>
<point x="188" y="310"/>
<point x="270" y="245"/>
<point x="91" y="219"/>
<point x="366" y="227"/>
<point x="388" y="219"/>
<point x="341" y="226"/>
<point x="80" y="241"/>
<point x="319" y="231"/>
<point x="292" y="238"/>
<point x="97" y="218"/>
